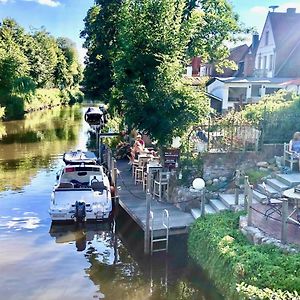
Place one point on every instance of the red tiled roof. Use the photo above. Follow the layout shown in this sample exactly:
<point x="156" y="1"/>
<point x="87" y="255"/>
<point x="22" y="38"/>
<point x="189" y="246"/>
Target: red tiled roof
<point x="292" y="82"/>
<point x="238" y="53"/>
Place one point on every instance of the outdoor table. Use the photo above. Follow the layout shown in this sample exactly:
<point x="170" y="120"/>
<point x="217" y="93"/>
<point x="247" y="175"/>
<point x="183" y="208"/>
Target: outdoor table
<point x="145" y="155"/>
<point x="295" y="197"/>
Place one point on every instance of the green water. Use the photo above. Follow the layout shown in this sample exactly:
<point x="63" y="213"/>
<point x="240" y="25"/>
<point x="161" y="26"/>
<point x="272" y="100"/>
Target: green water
<point x="97" y="261"/>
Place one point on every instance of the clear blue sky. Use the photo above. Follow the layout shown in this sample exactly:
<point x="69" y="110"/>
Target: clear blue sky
<point x="65" y="17"/>
<point x="59" y="17"/>
<point x="253" y="12"/>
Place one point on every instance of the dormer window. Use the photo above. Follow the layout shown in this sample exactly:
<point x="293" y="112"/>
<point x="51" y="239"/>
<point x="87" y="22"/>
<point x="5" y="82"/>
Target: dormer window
<point x="267" y="39"/>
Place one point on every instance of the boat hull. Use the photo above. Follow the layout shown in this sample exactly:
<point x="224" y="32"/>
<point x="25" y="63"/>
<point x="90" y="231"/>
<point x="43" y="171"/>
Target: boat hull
<point x="65" y="202"/>
<point x="61" y="216"/>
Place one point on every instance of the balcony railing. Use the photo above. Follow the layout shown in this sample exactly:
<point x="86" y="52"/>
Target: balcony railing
<point x="260" y="73"/>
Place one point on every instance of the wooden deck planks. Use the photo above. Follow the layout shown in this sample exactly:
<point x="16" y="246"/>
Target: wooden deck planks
<point x="132" y="199"/>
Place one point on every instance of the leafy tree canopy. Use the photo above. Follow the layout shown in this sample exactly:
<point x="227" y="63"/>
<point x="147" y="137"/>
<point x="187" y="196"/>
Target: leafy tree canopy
<point x="100" y="35"/>
<point x="137" y="53"/>
<point x="30" y="60"/>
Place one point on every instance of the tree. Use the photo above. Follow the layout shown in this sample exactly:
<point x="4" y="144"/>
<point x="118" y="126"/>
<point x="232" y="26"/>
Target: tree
<point x="69" y="70"/>
<point x="154" y="39"/>
<point x="33" y="60"/>
<point x="146" y="44"/>
<point x="218" y="24"/>
<point x="14" y="69"/>
<point x="100" y="36"/>
<point x="45" y="59"/>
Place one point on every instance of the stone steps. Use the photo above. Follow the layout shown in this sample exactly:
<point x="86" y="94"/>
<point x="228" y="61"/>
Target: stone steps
<point x="277" y="184"/>
<point x="226" y="201"/>
<point x="217" y="205"/>
<point x="260" y="197"/>
<point x="268" y="188"/>
<point x="196" y="212"/>
<point x="289" y="179"/>
<point x="229" y="200"/>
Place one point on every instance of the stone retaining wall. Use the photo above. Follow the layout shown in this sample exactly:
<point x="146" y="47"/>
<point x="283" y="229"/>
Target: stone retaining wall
<point x="256" y="236"/>
<point x="224" y="164"/>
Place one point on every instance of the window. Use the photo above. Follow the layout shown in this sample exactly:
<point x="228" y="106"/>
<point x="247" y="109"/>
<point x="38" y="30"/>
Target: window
<point x="255" y="90"/>
<point x="271" y="63"/>
<point x="259" y="62"/>
<point x="241" y="68"/>
<point x="264" y="62"/>
<point x="267" y="39"/>
<point x="236" y="94"/>
<point x="271" y="90"/>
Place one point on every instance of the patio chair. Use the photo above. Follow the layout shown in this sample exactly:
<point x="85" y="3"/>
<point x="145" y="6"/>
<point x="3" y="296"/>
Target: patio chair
<point x="289" y="157"/>
<point x="139" y="170"/>
<point x="273" y="201"/>
<point x="161" y="184"/>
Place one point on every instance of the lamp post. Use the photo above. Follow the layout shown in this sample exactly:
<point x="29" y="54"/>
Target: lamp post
<point x="199" y="186"/>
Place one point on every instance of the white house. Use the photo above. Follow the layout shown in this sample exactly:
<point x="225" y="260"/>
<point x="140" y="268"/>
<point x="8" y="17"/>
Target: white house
<point x="278" y="53"/>
<point x="277" y="64"/>
<point x="238" y="91"/>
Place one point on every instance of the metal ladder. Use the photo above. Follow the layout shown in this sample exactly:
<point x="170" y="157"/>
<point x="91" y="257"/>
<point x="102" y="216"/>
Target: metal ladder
<point x="160" y="239"/>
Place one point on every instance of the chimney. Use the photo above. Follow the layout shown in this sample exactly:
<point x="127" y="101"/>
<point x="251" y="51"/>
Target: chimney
<point x="255" y="42"/>
<point x="291" y="10"/>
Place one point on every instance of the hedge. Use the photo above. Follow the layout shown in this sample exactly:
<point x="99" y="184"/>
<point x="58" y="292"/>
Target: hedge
<point x="239" y="269"/>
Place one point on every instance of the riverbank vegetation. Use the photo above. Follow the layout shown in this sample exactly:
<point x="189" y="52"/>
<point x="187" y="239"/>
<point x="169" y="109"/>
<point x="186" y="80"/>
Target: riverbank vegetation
<point x="43" y="134"/>
<point x="142" y="48"/>
<point x="36" y="70"/>
<point x="276" y="115"/>
<point x="239" y="269"/>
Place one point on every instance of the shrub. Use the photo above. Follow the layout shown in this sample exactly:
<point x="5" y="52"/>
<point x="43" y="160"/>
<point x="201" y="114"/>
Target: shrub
<point x="255" y="175"/>
<point x="75" y="96"/>
<point x="191" y="166"/>
<point x="14" y="107"/>
<point x="216" y="244"/>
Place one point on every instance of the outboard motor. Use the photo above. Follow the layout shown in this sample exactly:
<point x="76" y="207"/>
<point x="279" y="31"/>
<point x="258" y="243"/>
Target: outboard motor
<point x="80" y="212"/>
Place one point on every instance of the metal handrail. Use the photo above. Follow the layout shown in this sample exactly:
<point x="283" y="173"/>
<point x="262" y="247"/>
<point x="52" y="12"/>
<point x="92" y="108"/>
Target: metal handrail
<point x="166" y="217"/>
<point x="151" y="221"/>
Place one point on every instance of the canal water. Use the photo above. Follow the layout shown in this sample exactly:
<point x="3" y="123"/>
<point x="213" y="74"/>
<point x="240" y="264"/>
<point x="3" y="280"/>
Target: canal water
<point x="39" y="260"/>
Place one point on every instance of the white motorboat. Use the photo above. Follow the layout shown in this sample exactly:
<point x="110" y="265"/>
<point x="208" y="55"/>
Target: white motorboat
<point x="82" y="193"/>
<point x="94" y="116"/>
<point x="77" y="157"/>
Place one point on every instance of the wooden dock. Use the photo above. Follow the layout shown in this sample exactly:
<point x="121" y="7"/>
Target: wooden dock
<point x="132" y="199"/>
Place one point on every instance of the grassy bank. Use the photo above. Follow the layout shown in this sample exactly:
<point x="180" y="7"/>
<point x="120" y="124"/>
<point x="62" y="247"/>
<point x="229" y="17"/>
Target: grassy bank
<point x="52" y="97"/>
<point x="239" y="269"/>
<point x="15" y="106"/>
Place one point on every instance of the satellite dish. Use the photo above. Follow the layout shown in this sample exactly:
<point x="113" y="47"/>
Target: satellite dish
<point x="273" y="7"/>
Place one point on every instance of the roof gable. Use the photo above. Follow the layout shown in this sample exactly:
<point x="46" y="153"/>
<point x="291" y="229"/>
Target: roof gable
<point x="285" y="27"/>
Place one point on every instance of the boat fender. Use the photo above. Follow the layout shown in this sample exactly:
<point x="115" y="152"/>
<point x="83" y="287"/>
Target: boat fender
<point x="112" y="191"/>
<point x="80" y="211"/>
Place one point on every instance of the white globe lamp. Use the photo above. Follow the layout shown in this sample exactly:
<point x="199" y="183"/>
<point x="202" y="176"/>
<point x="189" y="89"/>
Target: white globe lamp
<point x="176" y="142"/>
<point x="198" y="184"/>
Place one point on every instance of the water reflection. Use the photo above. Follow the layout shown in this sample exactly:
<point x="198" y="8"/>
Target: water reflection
<point x="119" y="269"/>
<point x="31" y="144"/>
<point x="18" y="220"/>
<point x="83" y="234"/>
<point x="96" y="261"/>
